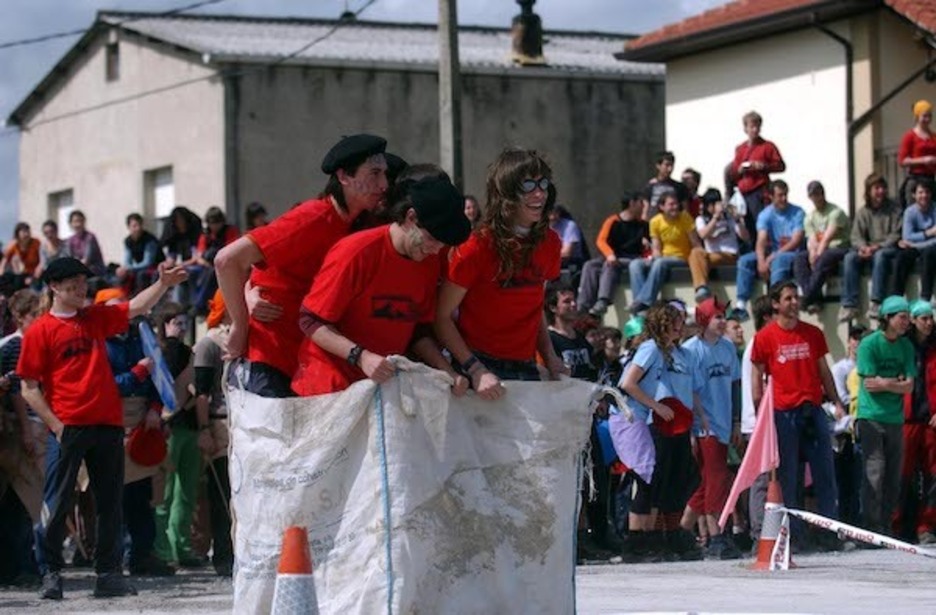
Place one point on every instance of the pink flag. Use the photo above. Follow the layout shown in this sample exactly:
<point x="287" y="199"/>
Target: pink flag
<point x="762" y="453"/>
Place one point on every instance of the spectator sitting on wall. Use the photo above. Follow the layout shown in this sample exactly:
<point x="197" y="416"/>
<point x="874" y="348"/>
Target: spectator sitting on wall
<point x="574" y="251"/>
<point x="919" y="235"/>
<point x="256" y="216"/>
<point x="179" y="243"/>
<point x="755" y="159"/>
<point x="779" y="238"/>
<point x="624" y="237"/>
<point x="472" y="210"/>
<point x="917" y="153"/>
<point x="51" y="247"/>
<point x="719" y="227"/>
<point x="218" y="233"/>
<point x="691" y="179"/>
<point x="673" y="238"/>
<point x="21" y="258"/>
<point x="827" y="231"/>
<point x="876" y="232"/>
<point x="141" y="256"/>
<point x="662" y="183"/>
<point x="84" y="246"/>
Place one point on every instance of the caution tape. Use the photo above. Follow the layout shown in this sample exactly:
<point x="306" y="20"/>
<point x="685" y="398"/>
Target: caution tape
<point x="856" y="533"/>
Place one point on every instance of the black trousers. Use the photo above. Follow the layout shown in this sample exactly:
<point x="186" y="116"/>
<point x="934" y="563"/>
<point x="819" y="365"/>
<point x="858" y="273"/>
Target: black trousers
<point x="140" y="518"/>
<point x="219" y="498"/>
<point x="101" y="448"/>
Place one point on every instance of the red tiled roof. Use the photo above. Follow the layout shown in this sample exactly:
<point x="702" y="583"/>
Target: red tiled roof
<point x="742" y="12"/>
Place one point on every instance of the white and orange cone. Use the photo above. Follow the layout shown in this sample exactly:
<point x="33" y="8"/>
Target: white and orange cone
<point x="294" y="593"/>
<point x="773" y="547"/>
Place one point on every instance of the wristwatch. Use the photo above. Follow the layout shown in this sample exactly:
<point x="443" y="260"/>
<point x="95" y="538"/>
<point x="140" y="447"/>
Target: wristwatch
<point x="354" y="356"/>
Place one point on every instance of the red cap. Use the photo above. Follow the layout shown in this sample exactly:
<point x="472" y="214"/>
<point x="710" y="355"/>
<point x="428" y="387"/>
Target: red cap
<point x="146" y="447"/>
<point x="682" y="418"/>
<point x="707" y="310"/>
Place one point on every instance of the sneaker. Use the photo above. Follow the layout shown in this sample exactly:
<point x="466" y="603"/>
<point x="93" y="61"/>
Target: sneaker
<point x="638" y="308"/>
<point x="151" y="566"/>
<point x="927" y="538"/>
<point x="641" y="547"/>
<point x="721" y="548"/>
<point x="192" y="561"/>
<point x="684" y="546"/>
<point x="848" y="313"/>
<point x="598" y="310"/>
<point x="702" y="293"/>
<point x="814" y="308"/>
<point x="51" y="586"/>
<point x="739" y="314"/>
<point x="588" y="551"/>
<point x="113" y="585"/>
<point x="224" y="569"/>
<point x="874" y="310"/>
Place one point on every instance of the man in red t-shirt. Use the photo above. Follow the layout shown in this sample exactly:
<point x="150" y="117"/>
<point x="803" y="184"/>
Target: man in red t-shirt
<point x="375" y="288"/>
<point x="283" y="257"/>
<point x="64" y="352"/>
<point x="793" y="353"/>
<point x="754" y="161"/>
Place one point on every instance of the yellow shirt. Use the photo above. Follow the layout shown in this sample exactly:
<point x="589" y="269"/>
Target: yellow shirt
<point x="673" y="234"/>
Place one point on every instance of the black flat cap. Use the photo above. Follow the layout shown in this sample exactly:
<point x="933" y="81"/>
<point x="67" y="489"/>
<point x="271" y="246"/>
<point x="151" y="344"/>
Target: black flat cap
<point x="64" y="268"/>
<point x="395" y="166"/>
<point x="440" y="208"/>
<point x="352" y="151"/>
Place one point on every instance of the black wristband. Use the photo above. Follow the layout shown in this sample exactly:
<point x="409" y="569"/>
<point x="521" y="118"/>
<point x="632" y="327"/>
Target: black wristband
<point x="469" y="363"/>
<point x="354" y="356"/>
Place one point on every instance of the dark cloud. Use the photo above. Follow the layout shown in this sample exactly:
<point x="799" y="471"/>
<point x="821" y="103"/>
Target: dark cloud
<point x="21" y="68"/>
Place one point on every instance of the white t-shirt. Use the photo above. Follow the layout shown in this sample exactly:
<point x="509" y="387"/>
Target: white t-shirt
<point x="724" y="237"/>
<point x="747" y="396"/>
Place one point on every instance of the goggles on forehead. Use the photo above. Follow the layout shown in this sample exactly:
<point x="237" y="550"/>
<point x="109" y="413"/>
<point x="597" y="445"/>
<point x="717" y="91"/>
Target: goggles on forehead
<point x="529" y="185"/>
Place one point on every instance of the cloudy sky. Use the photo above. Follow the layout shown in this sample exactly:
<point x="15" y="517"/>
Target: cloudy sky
<point x="22" y="67"/>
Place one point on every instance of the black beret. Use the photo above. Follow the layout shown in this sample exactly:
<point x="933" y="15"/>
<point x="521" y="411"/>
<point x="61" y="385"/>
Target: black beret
<point x="352" y="151"/>
<point x="64" y="268"/>
<point x="395" y="166"/>
<point x="440" y="208"/>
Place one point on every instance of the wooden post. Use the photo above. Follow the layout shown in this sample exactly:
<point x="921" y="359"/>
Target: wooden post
<point x="450" y="130"/>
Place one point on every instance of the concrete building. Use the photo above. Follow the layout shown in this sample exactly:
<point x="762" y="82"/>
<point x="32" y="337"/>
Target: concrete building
<point x="149" y="111"/>
<point x="834" y="80"/>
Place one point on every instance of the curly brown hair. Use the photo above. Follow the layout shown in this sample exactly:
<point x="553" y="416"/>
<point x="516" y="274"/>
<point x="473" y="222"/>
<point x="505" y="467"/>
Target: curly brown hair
<point x="505" y="175"/>
<point x="659" y="323"/>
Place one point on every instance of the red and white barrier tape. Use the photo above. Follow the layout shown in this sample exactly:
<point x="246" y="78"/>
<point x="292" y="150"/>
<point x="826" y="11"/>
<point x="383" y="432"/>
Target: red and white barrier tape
<point x="856" y="533"/>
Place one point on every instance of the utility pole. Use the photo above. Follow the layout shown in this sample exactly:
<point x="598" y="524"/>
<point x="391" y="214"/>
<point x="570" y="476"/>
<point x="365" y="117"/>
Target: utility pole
<point x="450" y="129"/>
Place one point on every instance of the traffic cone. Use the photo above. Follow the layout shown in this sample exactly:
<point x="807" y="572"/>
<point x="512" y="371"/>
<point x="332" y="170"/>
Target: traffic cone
<point x="771" y="529"/>
<point x="294" y="593"/>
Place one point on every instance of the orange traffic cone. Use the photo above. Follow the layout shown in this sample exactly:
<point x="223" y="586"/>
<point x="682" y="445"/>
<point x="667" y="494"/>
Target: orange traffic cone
<point x="772" y="528"/>
<point x="294" y="593"/>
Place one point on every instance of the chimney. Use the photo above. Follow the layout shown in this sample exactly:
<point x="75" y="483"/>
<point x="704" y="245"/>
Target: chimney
<point x="527" y="35"/>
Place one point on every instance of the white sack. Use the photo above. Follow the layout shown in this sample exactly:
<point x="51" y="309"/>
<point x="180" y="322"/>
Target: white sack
<point x="482" y="495"/>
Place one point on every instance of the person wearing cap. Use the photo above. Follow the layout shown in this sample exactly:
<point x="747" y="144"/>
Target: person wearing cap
<point x="876" y="233"/>
<point x="779" y="239"/>
<point x="917" y="151"/>
<point x="141" y="410"/>
<point x="495" y="281"/>
<point x="754" y="160"/>
<point x="373" y="290"/>
<point x="717" y="360"/>
<point x="623" y="237"/>
<point x="847" y="461"/>
<point x="919" y="235"/>
<point x="64" y="354"/>
<point x="213" y="436"/>
<point x="827" y="231"/>
<point x="283" y="257"/>
<point x="793" y="353"/>
<point x="886" y="368"/>
<point x="720" y="227"/>
<point x="919" y="435"/>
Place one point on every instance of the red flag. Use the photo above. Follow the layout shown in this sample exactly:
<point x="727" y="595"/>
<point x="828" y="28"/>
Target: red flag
<point x="762" y="455"/>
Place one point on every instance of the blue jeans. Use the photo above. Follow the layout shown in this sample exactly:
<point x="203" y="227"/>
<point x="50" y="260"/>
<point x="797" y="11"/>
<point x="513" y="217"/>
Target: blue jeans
<point x="646" y="286"/>
<point x="892" y="263"/>
<point x="781" y="268"/>
<point x="803" y="432"/>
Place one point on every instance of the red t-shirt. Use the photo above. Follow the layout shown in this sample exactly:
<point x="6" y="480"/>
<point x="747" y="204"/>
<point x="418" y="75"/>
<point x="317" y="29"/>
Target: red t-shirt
<point x="760" y="151"/>
<point x="294" y="247"/>
<point x="791" y="357"/>
<point x="67" y="356"/>
<point x="372" y="295"/>
<point x="913" y="146"/>
<point x="501" y="317"/>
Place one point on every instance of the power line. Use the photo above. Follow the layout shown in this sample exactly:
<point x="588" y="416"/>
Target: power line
<point x="214" y="75"/>
<point x="57" y="35"/>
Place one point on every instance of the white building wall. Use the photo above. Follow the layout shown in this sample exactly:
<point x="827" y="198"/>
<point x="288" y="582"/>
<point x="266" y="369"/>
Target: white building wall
<point x="98" y="138"/>
<point x="796" y="81"/>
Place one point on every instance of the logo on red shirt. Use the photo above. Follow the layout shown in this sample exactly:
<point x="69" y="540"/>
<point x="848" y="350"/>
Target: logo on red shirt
<point x="394" y="307"/>
<point x="77" y="347"/>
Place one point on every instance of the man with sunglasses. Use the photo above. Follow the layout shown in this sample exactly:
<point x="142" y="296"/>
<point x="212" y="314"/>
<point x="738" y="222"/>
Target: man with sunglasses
<point x="375" y="287"/>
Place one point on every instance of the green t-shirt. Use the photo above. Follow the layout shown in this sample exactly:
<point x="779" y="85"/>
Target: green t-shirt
<point x="879" y="357"/>
<point x="817" y="222"/>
